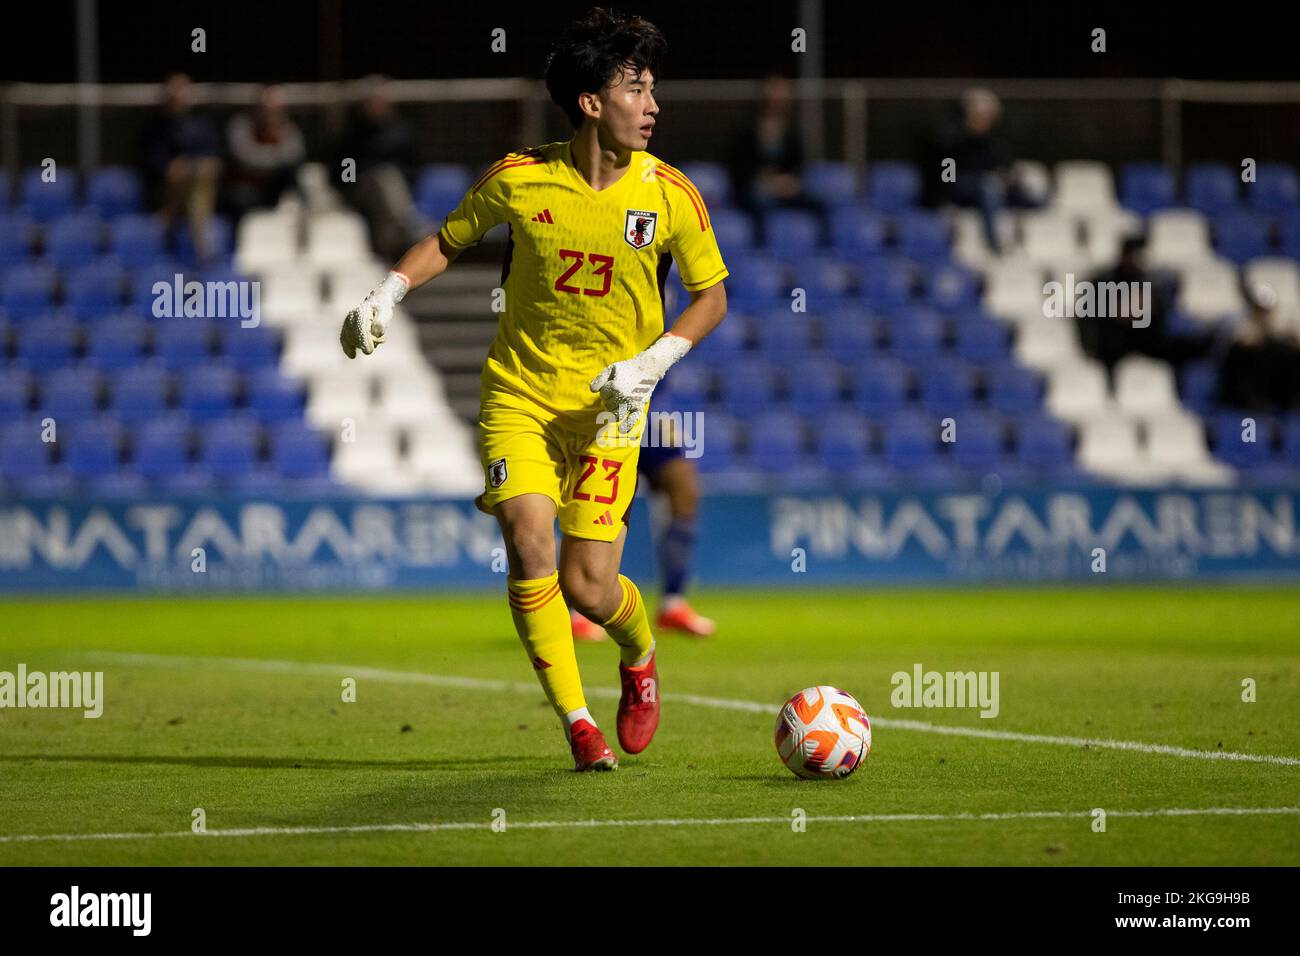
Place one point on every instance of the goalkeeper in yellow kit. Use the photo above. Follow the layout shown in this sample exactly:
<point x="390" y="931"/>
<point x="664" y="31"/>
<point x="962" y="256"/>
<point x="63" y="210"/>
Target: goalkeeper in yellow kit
<point x="579" y="348"/>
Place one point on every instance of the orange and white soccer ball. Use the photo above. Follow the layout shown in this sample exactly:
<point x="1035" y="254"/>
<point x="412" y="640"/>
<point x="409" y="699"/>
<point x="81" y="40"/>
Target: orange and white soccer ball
<point x="822" y="733"/>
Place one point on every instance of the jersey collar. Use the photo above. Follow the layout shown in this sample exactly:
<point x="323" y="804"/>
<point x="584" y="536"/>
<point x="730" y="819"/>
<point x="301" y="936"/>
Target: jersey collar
<point x="608" y="191"/>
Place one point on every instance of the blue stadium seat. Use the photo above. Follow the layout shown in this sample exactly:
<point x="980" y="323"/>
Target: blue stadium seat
<point x="1291" y="237"/>
<point x="25" y="460"/>
<point x="1228" y="440"/>
<point x="220" y="238"/>
<point x="1013" y="389"/>
<point x="719" y="447"/>
<point x="15" y="393"/>
<point x="47" y="201"/>
<point x="784" y="336"/>
<point x="125" y="484"/>
<point x="858" y="231"/>
<point x="48" y="343"/>
<point x="950" y="288"/>
<point x="793" y="233"/>
<point x="197" y="481"/>
<point x="114" y="191"/>
<point x="814" y="385"/>
<point x="140" y="394"/>
<point x="69" y="395"/>
<point x="1242" y="236"/>
<point x="248" y="349"/>
<point x="145" y="277"/>
<point x="910" y="441"/>
<point x="208" y="393"/>
<point x="843" y="440"/>
<point x="982" y="340"/>
<point x="832" y="183"/>
<point x="16" y="233"/>
<point x="827" y="281"/>
<point x="727" y="342"/>
<point x="1146" y="187"/>
<point x="136" y="240"/>
<point x="298" y="452"/>
<point x="881" y="385"/>
<point x="887" y="283"/>
<point x="230" y="447"/>
<point x="947" y="386"/>
<point x="183" y="343"/>
<point x="893" y="186"/>
<point x="712" y="180"/>
<point x="1199" y="385"/>
<point x="849" y="335"/>
<point x="73" y="240"/>
<point x="776" y="442"/>
<point x="1290" y="452"/>
<point x="686" y="387"/>
<point x="274" y="397"/>
<point x="117" y="342"/>
<point x="924" y="236"/>
<point x="734" y="231"/>
<point x="979" y="444"/>
<point x="1276" y="188"/>
<point x="91" y="449"/>
<point x="748" y="387"/>
<point x="161" y="448"/>
<point x="1211" y="188"/>
<point x="27" y="290"/>
<point x="1042" y="442"/>
<point x="755" y="282"/>
<point x="4" y="191"/>
<point x="916" y="336"/>
<point x="95" y="290"/>
<point x="440" y="189"/>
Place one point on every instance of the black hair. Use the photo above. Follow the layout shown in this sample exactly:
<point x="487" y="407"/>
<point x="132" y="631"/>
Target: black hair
<point x="593" y="50"/>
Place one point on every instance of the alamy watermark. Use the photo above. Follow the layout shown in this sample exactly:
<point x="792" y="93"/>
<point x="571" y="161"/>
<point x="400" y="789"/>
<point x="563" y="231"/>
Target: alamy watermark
<point x="237" y="299"/>
<point x="922" y="688"/>
<point x="79" y="690"/>
<point x="1086" y="299"/>
<point x="675" y="429"/>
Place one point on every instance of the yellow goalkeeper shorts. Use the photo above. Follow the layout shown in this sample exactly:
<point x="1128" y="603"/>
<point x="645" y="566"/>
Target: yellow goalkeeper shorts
<point x="590" y="473"/>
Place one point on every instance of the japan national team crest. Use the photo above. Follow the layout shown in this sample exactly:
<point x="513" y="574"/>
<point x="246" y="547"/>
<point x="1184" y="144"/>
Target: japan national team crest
<point x="639" y="230"/>
<point x="497" y="473"/>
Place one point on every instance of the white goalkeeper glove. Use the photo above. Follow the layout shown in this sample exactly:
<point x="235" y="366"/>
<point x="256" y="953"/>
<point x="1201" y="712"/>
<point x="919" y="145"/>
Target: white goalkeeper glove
<point x="625" y="386"/>
<point x="366" y="325"/>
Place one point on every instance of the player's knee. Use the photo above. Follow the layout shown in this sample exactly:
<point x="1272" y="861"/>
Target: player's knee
<point x="531" y="553"/>
<point x="585" y="590"/>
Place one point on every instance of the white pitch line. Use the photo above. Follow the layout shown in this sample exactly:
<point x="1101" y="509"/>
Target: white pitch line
<point x="667" y="822"/>
<point x="718" y="703"/>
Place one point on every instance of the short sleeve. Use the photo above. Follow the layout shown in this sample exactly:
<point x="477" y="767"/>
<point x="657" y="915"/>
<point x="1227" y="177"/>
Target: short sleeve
<point x="692" y="242"/>
<point x="483" y="207"/>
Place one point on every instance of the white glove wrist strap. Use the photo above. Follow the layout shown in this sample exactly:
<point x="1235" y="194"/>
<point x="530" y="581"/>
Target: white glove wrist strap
<point x="667" y="351"/>
<point x="396" y="285"/>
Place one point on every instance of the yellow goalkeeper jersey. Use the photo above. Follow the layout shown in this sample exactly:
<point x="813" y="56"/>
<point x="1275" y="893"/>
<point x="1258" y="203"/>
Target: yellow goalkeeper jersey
<point x="584" y="269"/>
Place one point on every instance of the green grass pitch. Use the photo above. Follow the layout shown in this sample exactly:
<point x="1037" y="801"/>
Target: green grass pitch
<point x="275" y="749"/>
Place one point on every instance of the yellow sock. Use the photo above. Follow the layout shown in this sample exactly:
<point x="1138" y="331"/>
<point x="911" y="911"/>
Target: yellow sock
<point x="630" y="626"/>
<point x="542" y="620"/>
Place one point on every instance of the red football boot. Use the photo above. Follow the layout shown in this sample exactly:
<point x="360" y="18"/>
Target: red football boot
<point x="585" y="629"/>
<point x="677" y="615"/>
<point x="589" y="749"/>
<point x="638" y="708"/>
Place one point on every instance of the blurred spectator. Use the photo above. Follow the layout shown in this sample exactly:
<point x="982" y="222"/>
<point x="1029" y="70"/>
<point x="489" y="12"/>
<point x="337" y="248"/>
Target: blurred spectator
<point x="266" y="150"/>
<point x="767" y="158"/>
<point x="1261" y="370"/>
<point x="180" y="160"/>
<point x="1108" y="338"/>
<point x="985" y="175"/>
<point x="383" y="148"/>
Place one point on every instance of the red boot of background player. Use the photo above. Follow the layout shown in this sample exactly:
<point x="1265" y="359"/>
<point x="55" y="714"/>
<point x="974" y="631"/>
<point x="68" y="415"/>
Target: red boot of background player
<point x="585" y="629"/>
<point x="590" y="752"/>
<point x="638" y="708"/>
<point x="677" y="615"/>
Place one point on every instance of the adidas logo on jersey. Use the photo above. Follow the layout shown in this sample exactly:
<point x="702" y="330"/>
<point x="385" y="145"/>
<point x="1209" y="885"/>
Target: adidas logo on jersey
<point x="544" y="216"/>
<point x="605" y="519"/>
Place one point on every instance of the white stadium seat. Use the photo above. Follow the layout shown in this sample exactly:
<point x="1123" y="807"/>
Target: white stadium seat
<point x="338" y="238"/>
<point x="266" y="239"/>
<point x="1209" y="290"/>
<point x="1145" y="386"/>
<point x="1177" y="237"/>
<point x="1084" y="187"/>
<point x="1046" y="344"/>
<point x="1078" y="392"/>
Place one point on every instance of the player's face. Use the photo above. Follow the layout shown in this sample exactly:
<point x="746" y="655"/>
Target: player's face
<point x="628" y="110"/>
